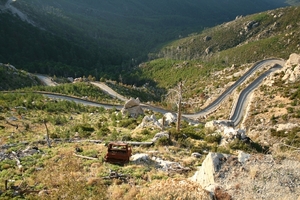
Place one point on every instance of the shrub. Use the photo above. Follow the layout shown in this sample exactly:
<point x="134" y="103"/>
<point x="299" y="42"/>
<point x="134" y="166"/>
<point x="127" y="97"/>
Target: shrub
<point x="84" y="130"/>
<point x="131" y="122"/>
<point x="239" y="145"/>
<point x="185" y="143"/>
<point x="192" y="133"/>
<point x="83" y="127"/>
<point x="285" y="117"/>
<point x="213" y="138"/>
<point x="126" y="137"/>
<point x="57" y="119"/>
<point x="290" y="109"/>
<point x="103" y="131"/>
<point x="273" y="119"/>
<point x="145" y="132"/>
<point x="200" y="148"/>
<point x="90" y="153"/>
<point x="163" y="141"/>
<point x="292" y="137"/>
<point x="222" y="149"/>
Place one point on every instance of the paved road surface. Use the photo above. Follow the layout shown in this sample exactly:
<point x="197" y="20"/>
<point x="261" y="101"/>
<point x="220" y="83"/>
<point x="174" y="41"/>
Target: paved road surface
<point x="238" y="112"/>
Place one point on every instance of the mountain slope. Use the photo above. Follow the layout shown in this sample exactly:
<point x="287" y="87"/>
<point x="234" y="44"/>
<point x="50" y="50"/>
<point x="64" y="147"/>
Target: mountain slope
<point x="248" y="39"/>
<point x="118" y="33"/>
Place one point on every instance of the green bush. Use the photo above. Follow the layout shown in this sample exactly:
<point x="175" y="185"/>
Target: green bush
<point x="185" y="143"/>
<point x="290" y="109"/>
<point x="239" y="145"/>
<point x="83" y="127"/>
<point x="213" y="138"/>
<point x="163" y="141"/>
<point x="291" y="137"/>
<point x="222" y="149"/>
<point x="193" y="133"/>
<point x="128" y="123"/>
<point x="103" y="131"/>
<point x="57" y="119"/>
<point x="126" y="137"/>
<point x="84" y="130"/>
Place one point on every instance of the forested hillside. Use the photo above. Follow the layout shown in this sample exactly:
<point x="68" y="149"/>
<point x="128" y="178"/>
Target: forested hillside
<point x="270" y="34"/>
<point x="102" y="37"/>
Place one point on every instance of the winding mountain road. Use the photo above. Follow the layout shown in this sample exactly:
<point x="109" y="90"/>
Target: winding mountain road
<point x="239" y="107"/>
<point x="214" y="105"/>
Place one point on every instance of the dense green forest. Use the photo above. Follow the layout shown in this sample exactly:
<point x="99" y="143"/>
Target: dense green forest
<point x="106" y="38"/>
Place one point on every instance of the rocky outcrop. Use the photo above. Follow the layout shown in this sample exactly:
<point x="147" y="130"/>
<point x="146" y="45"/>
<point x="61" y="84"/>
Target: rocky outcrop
<point x="208" y="50"/>
<point x="132" y="108"/>
<point x="161" y="135"/>
<point x="152" y="122"/>
<point x="227" y="131"/>
<point x="160" y="164"/>
<point x="205" y="176"/>
<point x="207" y="38"/>
<point x="246" y="176"/>
<point x="291" y="69"/>
<point x="250" y="25"/>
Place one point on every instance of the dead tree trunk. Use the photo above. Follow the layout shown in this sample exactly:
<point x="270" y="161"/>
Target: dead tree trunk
<point x="179" y="107"/>
<point x="47" y="135"/>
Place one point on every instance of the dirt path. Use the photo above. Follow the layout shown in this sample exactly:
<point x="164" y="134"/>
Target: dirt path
<point x="110" y="91"/>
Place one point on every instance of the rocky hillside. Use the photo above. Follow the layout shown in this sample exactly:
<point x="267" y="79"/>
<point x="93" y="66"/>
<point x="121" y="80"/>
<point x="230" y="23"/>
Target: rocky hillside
<point x="272" y="33"/>
<point x="272" y="119"/>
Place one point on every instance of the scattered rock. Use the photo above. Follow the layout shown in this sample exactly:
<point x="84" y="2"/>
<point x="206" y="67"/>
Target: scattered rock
<point x="208" y="50"/>
<point x="161" y="164"/>
<point x="132" y="103"/>
<point x="250" y="25"/>
<point x="243" y="157"/>
<point x="141" y="158"/>
<point x="160" y="135"/>
<point x="133" y="108"/>
<point x="288" y="126"/>
<point x="170" y="118"/>
<point x="196" y="155"/>
<point x="207" y="38"/>
<point x="169" y="166"/>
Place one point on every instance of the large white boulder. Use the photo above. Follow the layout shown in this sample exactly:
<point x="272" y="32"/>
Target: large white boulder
<point x="291" y="69"/>
<point x="212" y="164"/>
<point x="170" y="118"/>
<point x="132" y="103"/>
<point x="132" y="107"/>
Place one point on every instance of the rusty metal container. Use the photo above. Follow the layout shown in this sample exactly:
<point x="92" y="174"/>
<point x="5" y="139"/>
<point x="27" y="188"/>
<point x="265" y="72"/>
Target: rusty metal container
<point x="118" y="153"/>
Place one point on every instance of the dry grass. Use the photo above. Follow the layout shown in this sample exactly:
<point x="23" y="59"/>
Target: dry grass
<point x="279" y="154"/>
<point x="65" y="177"/>
<point x="173" y="189"/>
